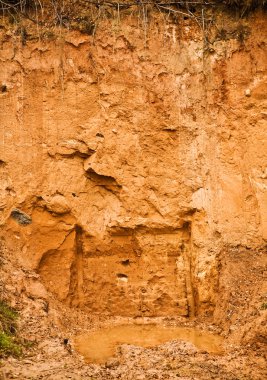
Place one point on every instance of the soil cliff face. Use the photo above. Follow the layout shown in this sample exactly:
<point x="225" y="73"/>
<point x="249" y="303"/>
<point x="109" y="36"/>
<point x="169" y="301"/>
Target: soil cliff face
<point x="132" y="161"/>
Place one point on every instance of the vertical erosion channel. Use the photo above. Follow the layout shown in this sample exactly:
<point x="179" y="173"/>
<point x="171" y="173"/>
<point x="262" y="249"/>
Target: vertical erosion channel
<point x="187" y="256"/>
<point x="76" y="294"/>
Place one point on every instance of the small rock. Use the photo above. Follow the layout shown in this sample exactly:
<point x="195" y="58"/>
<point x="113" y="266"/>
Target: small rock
<point x="20" y="216"/>
<point x="36" y="289"/>
<point x="111" y="363"/>
<point x="140" y="377"/>
<point x="58" y="205"/>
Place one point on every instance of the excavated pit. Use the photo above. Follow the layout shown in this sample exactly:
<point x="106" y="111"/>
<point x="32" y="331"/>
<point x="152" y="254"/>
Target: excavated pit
<point x="141" y="272"/>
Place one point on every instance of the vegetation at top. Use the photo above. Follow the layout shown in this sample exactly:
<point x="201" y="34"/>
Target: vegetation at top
<point x="61" y="9"/>
<point x="86" y="15"/>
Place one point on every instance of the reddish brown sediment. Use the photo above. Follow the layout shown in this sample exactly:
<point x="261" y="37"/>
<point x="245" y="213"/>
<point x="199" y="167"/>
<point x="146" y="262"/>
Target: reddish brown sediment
<point x="133" y="173"/>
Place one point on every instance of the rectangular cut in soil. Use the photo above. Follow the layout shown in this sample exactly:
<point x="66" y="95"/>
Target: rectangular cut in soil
<point x="139" y="273"/>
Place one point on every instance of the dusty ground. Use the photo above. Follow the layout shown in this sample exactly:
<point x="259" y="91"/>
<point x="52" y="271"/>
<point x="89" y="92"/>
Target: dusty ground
<point x="170" y="361"/>
<point x="173" y="360"/>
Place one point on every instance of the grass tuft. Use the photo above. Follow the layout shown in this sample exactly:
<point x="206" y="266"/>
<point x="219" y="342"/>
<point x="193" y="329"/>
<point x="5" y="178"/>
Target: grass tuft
<point x="9" y="343"/>
<point x="8" y="317"/>
<point x="9" y="346"/>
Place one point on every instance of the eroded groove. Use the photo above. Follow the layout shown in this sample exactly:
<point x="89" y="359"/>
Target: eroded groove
<point x="76" y="293"/>
<point x="108" y="182"/>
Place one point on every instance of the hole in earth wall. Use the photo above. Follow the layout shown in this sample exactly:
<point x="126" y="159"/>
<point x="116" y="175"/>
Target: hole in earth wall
<point x="158" y="261"/>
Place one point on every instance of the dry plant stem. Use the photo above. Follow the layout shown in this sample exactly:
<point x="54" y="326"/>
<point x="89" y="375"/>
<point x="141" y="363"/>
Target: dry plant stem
<point x="173" y="11"/>
<point x="118" y="15"/>
<point x="96" y="21"/>
<point x="144" y="9"/>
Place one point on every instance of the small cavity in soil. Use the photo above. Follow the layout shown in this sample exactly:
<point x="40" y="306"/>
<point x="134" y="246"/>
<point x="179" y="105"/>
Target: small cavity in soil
<point x="98" y="346"/>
